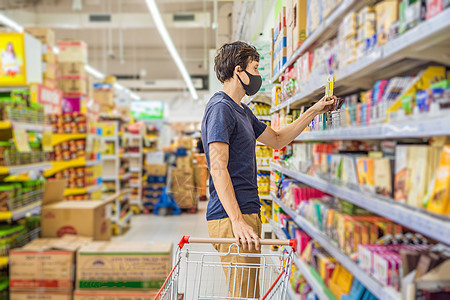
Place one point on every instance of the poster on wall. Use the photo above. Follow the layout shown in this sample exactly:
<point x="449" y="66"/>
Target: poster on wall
<point x="12" y="59"/>
<point x="147" y="109"/>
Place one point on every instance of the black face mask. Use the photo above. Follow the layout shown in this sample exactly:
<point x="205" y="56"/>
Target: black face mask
<point x="254" y="84"/>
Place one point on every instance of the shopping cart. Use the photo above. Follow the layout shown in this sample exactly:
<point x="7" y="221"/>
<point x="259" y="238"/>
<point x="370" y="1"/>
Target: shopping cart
<point x="198" y="275"/>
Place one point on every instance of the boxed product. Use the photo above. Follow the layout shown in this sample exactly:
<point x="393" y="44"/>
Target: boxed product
<point x="72" y="51"/>
<point x="85" y="218"/>
<point x="104" y="97"/>
<point x="185" y="197"/>
<point x="48" y="55"/>
<point x="182" y="178"/>
<point x="387" y="14"/>
<point x="299" y="23"/>
<point x="184" y="162"/>
<point x="73" y="84"/>
<point x="156" y="169"/>
<point x="45" y="35"/>
<point x="440" y="196"/>
<point x="72" y="69"/>
<point x="314" y="13"/>
<point x="113" y="295"/>
<point x="123" y="265"/>
<point x="40" y="295"/>
<point x="50" y="71"/>
<point x="45" y="264"/>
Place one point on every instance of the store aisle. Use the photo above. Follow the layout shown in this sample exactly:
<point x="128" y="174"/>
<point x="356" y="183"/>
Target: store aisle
<point x="169" y="228"/>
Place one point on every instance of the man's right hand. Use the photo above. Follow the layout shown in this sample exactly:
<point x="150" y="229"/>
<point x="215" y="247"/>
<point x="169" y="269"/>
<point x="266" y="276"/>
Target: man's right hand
<point x="245" y="235"/>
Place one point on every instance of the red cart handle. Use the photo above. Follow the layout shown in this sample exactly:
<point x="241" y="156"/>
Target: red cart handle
<point x="187" y="240"/>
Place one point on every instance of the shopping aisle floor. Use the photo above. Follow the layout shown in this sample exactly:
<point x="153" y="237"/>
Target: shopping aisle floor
<point x="168" y="228"/>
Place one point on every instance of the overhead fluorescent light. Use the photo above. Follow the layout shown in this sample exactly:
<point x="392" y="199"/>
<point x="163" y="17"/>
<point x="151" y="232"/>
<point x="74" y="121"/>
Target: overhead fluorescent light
<point x="134" y="96"/>
<point x="94" y="72"/>
<point x="11" y="23"/>
<point x="151" y="4"/>
<point x="119" y="87"/>
<point x="56" y="49"/>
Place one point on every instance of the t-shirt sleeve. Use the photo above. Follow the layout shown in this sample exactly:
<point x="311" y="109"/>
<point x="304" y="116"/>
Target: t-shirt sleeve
<point x="258" y="126"/>
<point x="220" y="124"/>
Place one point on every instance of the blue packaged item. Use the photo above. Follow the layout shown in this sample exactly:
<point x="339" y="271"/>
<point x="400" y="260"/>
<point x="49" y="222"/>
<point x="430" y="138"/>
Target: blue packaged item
<point x="356" y="292"/>
<point x="181" y="152"/>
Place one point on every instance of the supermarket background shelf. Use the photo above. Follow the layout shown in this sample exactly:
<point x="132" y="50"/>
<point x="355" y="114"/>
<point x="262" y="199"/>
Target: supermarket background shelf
<point x="265" y="197"/>
<point x="36" y="127"/>
<point x="430" y="225"/>
<point x="109" y="177"/>
<point x="132" y="136"/>
<point x="110" y="138"/>
<point x="127" y="217"/>
<point x="380" y="291"/>
<point x="110" y="157"/>
<point x="57" y="166"/>
<point x="33" y="208"/>
<point x="80" y="191"/>
<point x="410" y="128"/>
<point x="266" y="169"/>
<point x="25" y="168"/>
<point x="58" y="138"/>
<point x="125" y="176"/>
<point x="302" y="266"/>
<point x="133" y="155"/>
<point x="3" y="261"/>
<point x="383" y="62"/>
<point x="326" y="29"/>
<point x="265" y="118"/>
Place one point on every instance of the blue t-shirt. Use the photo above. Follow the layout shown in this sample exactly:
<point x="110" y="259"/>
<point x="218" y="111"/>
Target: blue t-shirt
<point x="225" y="121"/>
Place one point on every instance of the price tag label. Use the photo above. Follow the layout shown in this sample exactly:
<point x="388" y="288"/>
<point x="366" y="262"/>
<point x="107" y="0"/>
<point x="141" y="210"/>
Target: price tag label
<point x="47" y="145"/>
<point x="21" y="140"/>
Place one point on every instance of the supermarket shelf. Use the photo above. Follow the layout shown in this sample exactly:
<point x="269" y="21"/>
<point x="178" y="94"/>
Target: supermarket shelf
<point x="57" y="166"/>
<point x="423" y="36"/>
<point x="110" y="157"/>
<point x="132" y="136"/>
<point x="428" y="224"/>
<point x="25" y="168"/>
<point x="264" y="169"/>
<point x="81" y="191"/>
<point x="409" y="129"/>
<point x="109" y="177"/>
<point x="127" y="217"/>
<point x="265" y="118"/>
<point x="33" y="208"/>
<point x="135" y="170"/>
<point x="134" y="185"/>
<point x="291" y="294"/>
<point x="36" y="127"/>
<point x="380" y="291"/>
<point x="134" y="155"/>
<point x="110" y="138"/>
<point x="58" y="138"/>
<point x="329" y="26"/>
<point x="125" y="176"/>
<point x="302" y="266"/>
<point x="265" y="197"/>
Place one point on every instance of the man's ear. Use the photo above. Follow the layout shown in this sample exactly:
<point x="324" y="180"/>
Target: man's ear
<point x="238" y="69"/>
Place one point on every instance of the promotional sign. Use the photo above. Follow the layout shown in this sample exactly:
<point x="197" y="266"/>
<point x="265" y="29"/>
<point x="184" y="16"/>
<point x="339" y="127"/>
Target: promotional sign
<point x="147" y="109"/>
<point x="12" y="60"/>
<point x="51" y="99"/>
<point x="21" y="140"/>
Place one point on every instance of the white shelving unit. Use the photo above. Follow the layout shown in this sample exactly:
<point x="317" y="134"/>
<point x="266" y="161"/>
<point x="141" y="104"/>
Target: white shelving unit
<point x="136" y="161"/>
<point x="410" y="128"/>
<point x="426" y="35"/>
<point x="377" y="289"/>
<point x="302" y="266"/>
<point x="430" y="225"/>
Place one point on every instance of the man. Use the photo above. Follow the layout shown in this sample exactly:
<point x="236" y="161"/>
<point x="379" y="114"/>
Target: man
<point x="229" y="134"/>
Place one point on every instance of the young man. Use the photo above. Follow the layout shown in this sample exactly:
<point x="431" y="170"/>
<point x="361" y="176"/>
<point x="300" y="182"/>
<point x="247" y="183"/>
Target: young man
<point x="229" y="134"/>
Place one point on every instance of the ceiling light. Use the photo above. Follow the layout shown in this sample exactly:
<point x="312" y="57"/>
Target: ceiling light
<point x="94" y="72"/>
<point x="11" y="23"/>
<point x="134" y="96"/>
<point x="151" y="4"/>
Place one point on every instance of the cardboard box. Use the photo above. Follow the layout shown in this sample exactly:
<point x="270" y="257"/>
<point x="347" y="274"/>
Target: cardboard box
<point x="85" y="218"/>
<point x="300" y="20"/>
<point x="73" y="84"/>
<point x="39" y="295"/>
<point x="185" y="143"/>
<point x="113" y="295"/>
<point x="200" y="159"/>
<point x="387" y="14"/>
<point x="182" y="178"/>
<point x="48" y="55"/>
<point x="184" y="162"/>
<point x="104" y="97"/>
<point x="200" y="176"/>
<point x="45" y="35"/>
<point x="50" y="71"/>
<point x="45" y="264"/>
<point x="156" y="169"/>
<point x="72" y="51"/>
<point x="72" y="69"/>
<point x="123" y="265"/>
<point x="185" y="197"/>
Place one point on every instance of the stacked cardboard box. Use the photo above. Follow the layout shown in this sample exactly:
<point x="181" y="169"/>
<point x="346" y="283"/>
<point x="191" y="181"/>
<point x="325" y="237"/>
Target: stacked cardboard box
<point x="104" y="95"/>
<point x="296" y="21"/>
<point x="279" y="42"/>
<point x="183" y="187"/>
<point x="49" y="62"/>
<point x="72" y="80"/>
<point x="44" y="269"/>
<point x="200" y="174"/>
<point x="156" y="178"/>
<point x="85" y="218"/>
<point x="116" y="269"/>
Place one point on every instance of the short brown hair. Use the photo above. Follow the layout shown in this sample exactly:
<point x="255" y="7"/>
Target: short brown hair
<point x="231" y="55"/>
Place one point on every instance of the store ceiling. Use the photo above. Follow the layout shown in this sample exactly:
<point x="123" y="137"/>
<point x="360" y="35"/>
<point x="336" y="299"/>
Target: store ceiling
<point x="131" y="31"/>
